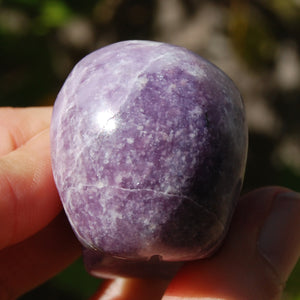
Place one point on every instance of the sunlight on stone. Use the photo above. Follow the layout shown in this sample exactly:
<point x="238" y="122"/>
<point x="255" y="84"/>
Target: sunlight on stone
<point x="106" y="121"/>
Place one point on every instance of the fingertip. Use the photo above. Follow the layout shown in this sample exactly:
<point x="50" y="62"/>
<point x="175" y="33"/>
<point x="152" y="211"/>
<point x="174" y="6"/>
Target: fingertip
<point x="279" y="239"/>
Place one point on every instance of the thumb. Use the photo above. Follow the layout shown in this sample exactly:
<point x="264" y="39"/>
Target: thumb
<point x="262" y="247"/>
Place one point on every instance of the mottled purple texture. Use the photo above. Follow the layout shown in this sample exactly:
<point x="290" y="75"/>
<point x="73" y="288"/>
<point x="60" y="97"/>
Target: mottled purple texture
<point x="149" y="148"/>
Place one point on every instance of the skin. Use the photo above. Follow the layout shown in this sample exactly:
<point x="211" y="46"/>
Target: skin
<point x="36" y="241"/>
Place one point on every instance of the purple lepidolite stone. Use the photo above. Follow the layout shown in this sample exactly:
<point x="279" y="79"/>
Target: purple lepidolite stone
<point x="149" y="147"/>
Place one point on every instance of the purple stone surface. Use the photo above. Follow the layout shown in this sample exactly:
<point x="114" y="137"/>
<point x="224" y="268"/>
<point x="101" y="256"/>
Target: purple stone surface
<point x="149" y="147"/>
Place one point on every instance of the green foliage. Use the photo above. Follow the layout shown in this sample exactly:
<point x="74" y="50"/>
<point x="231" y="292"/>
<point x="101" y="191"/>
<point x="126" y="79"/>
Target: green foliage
<point x="292" y="286"/>
<point x="52" y="15"/>
<point x="254" y="41"/>
<point x="74" y="283"/>
<point x="75" y="279"/>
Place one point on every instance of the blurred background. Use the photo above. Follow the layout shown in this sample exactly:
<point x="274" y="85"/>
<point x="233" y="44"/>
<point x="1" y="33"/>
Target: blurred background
<point x="255" y="42"/>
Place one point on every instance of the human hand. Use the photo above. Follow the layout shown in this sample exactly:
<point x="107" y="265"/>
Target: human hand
<point x="36" y="241"/>
<point x="261" y="249"/>
<point x="257" y="257"/>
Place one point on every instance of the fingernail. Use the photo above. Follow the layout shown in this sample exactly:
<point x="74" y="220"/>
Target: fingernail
<point x="279" y="238"/>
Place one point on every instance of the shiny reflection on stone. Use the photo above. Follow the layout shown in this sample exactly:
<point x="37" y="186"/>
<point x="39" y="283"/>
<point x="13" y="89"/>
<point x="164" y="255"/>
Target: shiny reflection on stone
<point x="106" y="121"/>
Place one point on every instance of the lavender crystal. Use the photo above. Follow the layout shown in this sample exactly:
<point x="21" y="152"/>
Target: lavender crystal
<point x="149" y="147"/>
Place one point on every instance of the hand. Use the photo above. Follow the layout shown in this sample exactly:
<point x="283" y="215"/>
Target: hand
<point x="36" y="242"/>
<point x="256" y="259"/>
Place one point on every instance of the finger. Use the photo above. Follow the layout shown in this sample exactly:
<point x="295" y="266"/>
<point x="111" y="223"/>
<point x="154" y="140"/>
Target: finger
<point x="28" y="196"/>
<point x="258" y="255"/>
<point x="32" y="262"/>
<point x="18" y="125"/>
<point x="131" y="289"/>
